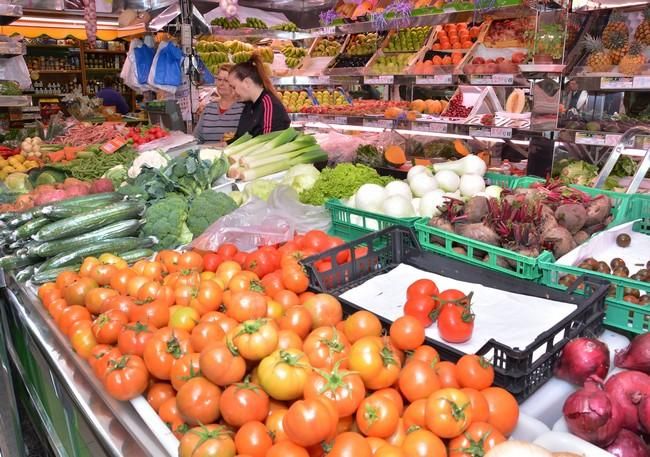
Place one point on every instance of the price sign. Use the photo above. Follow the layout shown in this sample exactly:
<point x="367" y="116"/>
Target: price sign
<point x="489" y="80"/>
<point x="641" y="82"/>
<point x="433" y="80"/>
<point x="378" y="123"/>
<point x="502" y="78"/>
<point x="612" y="140"/>
<point x="493" y="132"/>
<point x="435" y="127"/>
<point x="319" y="80"/>
<point x="325" y="31"/>
<point x="385" y="79"/>
<point x="311" y="118"/>
<point x="591" y="139"/>
<point x="616" y="83"/>
<point x="340" y="120"/>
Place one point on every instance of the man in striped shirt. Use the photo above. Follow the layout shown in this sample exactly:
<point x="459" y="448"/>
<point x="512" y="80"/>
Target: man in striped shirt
<point x="220" y="118"/>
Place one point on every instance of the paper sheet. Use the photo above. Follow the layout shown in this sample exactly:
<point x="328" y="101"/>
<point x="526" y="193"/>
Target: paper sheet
<point x="512" y="319"/>
<point x="603" y="247"/>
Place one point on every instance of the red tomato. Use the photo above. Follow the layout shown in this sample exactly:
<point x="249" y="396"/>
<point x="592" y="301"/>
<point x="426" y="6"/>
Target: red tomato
<point x="253" y="439"/>
<point x="244" y="402"/>
<point x="310" y="421"/>
<point x="227" y="250"/>
<point x="221" y="364"/>
<point x="166" y="346"/>
<point x="295" y="279"/>
<point x="423" y="308"/>
<point x="407" y="333"/>
<point x="480" y="437"/>
<point x="377" y="416"/>
<point x="422" y="287"/>
<point x="452" y="297"/>
<point x="475" y="372"/>
<point x="159" y="393"/>
<point x="184" y="369"/>
<point x="418" y="380"/>
<point x="108" y="326"/>
<point x="198" y="401"/>
<point x="316" y="240"/>
<point x="325" y="347"/>
<point x="448" y="413"/>
<point x="126" y="377"/>
<point x="456" y="324"/>
<point x="324" y="309"/>
<point x="344" y="388"/>
<point x="211" y="261"/>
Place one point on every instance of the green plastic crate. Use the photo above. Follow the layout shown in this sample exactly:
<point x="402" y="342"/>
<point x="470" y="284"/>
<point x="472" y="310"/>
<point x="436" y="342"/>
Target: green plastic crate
<point x="351" y="223"/>
<point x="619" y="314"/>
<point x="497" y="179"/>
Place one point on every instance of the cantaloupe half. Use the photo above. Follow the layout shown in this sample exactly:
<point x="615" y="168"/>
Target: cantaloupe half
<point x="516" y="101"/>
<point x="395" y="155"/>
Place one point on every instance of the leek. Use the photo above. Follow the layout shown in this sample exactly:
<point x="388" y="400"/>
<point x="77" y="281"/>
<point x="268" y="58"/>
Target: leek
<point x="254" y="162"/>
<point x="309" y="155"/>
<point x="242" y="139"/>
<point x="286" y="136"/>
<point x="289" y="147"/>
<point x="231" y="149"/>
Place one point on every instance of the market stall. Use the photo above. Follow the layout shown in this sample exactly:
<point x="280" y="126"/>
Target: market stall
<point x="445" y="253"/>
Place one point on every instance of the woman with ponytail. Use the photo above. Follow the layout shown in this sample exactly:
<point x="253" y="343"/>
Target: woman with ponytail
<point x="263" y="111"/>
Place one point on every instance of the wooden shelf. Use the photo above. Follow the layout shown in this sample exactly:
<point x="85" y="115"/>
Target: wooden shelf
<point x="102" y="51"/>
<point x="54" y="72"/>
<point x="100" y="70"/>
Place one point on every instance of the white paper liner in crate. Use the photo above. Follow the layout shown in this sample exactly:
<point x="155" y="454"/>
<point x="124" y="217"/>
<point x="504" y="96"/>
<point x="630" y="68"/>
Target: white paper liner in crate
<point x="603" y="247"/>
<point x="156" y="425"/>
<point x="512" y="319"/>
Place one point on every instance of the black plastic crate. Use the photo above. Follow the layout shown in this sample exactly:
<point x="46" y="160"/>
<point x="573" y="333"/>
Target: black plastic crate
<point x="520" y="371"/>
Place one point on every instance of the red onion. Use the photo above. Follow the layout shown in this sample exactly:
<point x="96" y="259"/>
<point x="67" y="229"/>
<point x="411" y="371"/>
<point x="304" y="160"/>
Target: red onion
<point x="581" y="358"/>
<point x="628" y="444"/>
<point x="644" y="414"/>
<point x="591" y="415"/>
<point x="627" y="389"/>
<point x="636" y="356"/>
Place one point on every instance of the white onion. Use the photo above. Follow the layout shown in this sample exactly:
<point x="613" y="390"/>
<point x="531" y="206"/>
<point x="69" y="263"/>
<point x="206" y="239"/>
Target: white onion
<point x="370" y="197"/>
<point x="430" y="203"/>
<point x="398" y="188"/>
<point x="447" y="180"/>
<point x="471" y="184"/>
<point x="423" y="183"/>
<point x="494" y="191"/>
<point x="518" y="449"/>
<point x="416" y="170"/>
<point x="398" y="206"/>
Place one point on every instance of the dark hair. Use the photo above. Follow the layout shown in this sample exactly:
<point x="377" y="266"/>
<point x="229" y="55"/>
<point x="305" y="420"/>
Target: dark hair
<point x="254" y="69"/>
<point x="109" y="81"/>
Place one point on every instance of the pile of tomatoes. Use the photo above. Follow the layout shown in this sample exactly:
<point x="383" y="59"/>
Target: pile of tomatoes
<point x="142" y="135"/>
<point x="238" y="358"/>
<point x="451" y="309"/>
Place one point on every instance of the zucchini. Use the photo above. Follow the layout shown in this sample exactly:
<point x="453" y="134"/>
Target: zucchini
<point x="12" y="262"/>
<point x="137" y="254"/>
<point x="41" y="277"/>
<point x="83" y="223"/>
<point x="29" y="228"/>
<point x="118" y="229"/>
<point x="17" y="244"/>
<point x="113" y="246"/>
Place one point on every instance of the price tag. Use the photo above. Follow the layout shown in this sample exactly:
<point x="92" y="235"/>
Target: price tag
<point x="641" y="82"/>
<point x="491" y="132"/>
<point x="489" y="80"/>
<point x="378" y="123"/>
<point x="325" y="31"/>
<point x="612" y="140"/>
<point x="435" y="127"/>
<point x="385" y="79"/>
<point x="340" y="120"/>
<point x="502" y="78"/>
<point x="433" y="80"/>
<point x="591" y="139"/>
<point x="311" y="118"/>
<point x="319" y="80"/>
<point x="616" y="83"/>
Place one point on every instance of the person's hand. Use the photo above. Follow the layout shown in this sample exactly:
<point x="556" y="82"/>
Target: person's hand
<point x="228" y="136"/>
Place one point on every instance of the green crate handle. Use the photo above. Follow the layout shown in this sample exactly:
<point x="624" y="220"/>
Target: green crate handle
<point x="370" y="222"/>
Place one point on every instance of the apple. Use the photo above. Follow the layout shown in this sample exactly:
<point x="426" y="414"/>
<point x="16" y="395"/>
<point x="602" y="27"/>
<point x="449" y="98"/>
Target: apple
<point x="478" y="60"/>
<point x="500" y="59"/>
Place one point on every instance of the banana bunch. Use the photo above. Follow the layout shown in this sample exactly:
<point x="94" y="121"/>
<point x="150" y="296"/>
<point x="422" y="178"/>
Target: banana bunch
<point x="288" y="27"/>
<point x="293" y="52"/>
<point x="326" y="48"/>
<point x="226" y="23"/>
<point x="266" y="53"/>
<point x="235" y="46"/>
<point x="242" y="56"/>
<point x="255" y="23"/>
<point x="210" y="46"/>
<point x="293" y="62"/>
<point x="213" y="58"/>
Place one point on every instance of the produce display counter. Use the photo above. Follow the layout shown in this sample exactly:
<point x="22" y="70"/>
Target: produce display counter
<point x="79" y="417"/>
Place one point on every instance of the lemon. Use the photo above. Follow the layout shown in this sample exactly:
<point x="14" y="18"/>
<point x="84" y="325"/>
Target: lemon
<point x="19" y="158"/>
<point x="3" y="163"/>
<point x="8" y="169"/>
<point x="18" y="182"/>
<point x="20" y="167"/>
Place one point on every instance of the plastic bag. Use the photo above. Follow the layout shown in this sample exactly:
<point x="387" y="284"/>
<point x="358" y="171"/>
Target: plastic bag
<point x="254" y="224"/>
<point x="154" y="68"/>
<point x="143" y="60"/>
<point x="304" y="217"/>
<point x="128" y="73"/>
<point x="15" y="69"/>
<point x="168" y="71"/>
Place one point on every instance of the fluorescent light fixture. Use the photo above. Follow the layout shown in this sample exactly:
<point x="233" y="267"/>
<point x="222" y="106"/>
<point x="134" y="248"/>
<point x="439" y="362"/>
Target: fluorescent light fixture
<point x="322" y="125"/>
<point x="56" y="20"/>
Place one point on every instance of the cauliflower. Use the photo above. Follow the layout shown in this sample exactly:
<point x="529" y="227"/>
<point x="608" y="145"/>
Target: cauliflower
<point x="166" y="220"/>
<point x="207" y="208"/>
<point x="153" y="159"/>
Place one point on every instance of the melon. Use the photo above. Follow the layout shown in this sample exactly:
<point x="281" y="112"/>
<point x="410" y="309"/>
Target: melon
<point x="433" y="107"/>
<point x="418" y="105"/>
<point x="412" y="115"/>
<point x="516" y="101"/>
<point x="392" y="113"/>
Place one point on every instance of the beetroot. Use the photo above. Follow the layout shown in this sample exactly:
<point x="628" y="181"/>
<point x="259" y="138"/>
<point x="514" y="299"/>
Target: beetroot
<point x="476" y="209"/>
<point x="636" y="356"/>
<point x="644" y="415"/>
<point x="581" y="358"/>
<point x="592" y="415"/>
<point x="479" y="232"/>
<point x="572" y="217"/>
<point x="628" y="444"/>
<point x="559" y="239"/>
<point x="627" y="389"/>
<point x="101" y="185"/>
<point x="598" y="210"/>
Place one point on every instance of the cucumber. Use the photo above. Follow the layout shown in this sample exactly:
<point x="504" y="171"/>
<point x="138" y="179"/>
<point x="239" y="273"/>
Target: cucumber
<point x="26" y="273"/>
<point x="113" y="246"/>
<point x="41" y="277"/>
<point x="84" y="223"/>
<point x="136" y="254"/>
<point x="58" y="212"/>
<point x="12" y="262"/>
<point x="20" y="218"/>
<point x="118" y="229"/>
<point x="29" y="228"/>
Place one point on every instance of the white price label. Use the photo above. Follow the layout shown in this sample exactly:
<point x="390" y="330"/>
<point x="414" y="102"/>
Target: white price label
<point x="433" y="80"/>
<point x="319" y="80"/>
<point x="616" y="83"/>
<point x="641" y="82"/>
<point x="313" y="119"/>
<point x="496" y="79"/>
<point x="325" y="31"/>
<point x="493" y="132"/>
<point x="612" y="140"/>
<point x="385" y="79"/>
<point x="378" y="123"/>
<point x="435" y="127"/>
<point x="502" y="78"/>
<point x="340" y="120"/>
<point x="591" y="139"/>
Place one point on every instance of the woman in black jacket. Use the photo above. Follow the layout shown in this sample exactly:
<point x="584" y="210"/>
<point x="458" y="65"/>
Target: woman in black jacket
<point x="263" y="111"/>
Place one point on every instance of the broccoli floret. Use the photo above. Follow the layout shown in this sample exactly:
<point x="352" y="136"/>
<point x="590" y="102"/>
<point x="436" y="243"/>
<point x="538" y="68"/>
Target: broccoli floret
<point x="207" y="208"/>
<point x="166" y="219"/>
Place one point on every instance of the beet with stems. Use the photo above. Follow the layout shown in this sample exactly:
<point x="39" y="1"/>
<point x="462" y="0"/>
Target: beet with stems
<point x="476" y="209"/>
<point x="597" y="210"/>
<point x="572" y="217"/>
<point x="628" y="444"/>
<point x="480" y="232"/>
<point x="627" y="389"/>
<point x="559" y="240"/>
<point x="636" y="356"/>
<point x="592" y="415"/>
<point x="581" y="358"/>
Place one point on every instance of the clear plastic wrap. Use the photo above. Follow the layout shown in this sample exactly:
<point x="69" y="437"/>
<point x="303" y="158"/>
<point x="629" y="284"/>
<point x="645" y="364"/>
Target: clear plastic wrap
<point x="260" y="223"/>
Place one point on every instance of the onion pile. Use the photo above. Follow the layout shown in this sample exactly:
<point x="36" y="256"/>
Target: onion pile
<point x="636" y="356"/>
<point x="628" y="444"/>
<point x="581" y="358"/>
<point x="627" y="389"/>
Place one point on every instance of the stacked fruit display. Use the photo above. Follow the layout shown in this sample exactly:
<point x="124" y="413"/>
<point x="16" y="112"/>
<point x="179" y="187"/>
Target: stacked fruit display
<point x="326" y="47"/>
<point x="358" y="108"/>
<point x="255" y="23"/>
<point x="287" y="27"/>
<point x="363" y="44"/>
<point x="295" y="101"/>
<point x="488" y="66"/>
<point x="510" y="33"/>
<point x="408" y="40"/>
<point x="456" y="36"/>
<point x="330" y="98"/>
<point x="429" y="106"/>
<point x="391" y="63"/>
<point x="293" y="56"/>
<point x="226" y="23"/>
<point x="432" y="60"/>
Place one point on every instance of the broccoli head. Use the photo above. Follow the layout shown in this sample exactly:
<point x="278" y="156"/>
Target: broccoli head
<point x="207" y="208"/>
<point x="166" y="220"/>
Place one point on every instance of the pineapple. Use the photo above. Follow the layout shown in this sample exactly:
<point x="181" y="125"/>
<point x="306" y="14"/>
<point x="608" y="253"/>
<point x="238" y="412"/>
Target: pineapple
<point x="616" y="36"/>
<point x="599" y="59"/>
<point x="642" y="33"/>
<point x="632" y="62"/>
